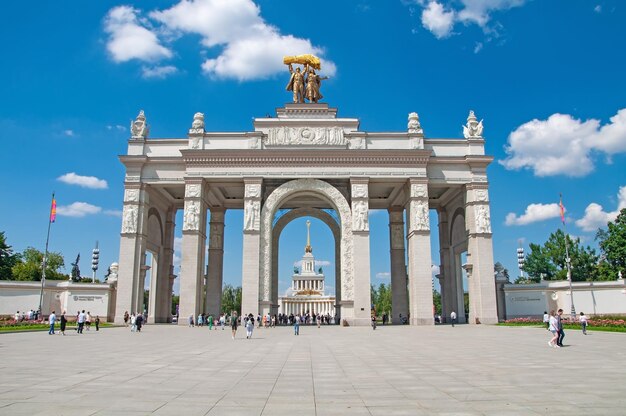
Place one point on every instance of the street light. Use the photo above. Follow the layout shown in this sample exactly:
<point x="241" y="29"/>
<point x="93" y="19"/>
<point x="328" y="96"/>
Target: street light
<point x="95" y="258"/>
<point x="520" y="261"/>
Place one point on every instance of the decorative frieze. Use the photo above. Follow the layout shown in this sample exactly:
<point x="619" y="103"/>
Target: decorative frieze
<point x="482" y="218"/>
<point x="191" y="217"/>
<point x="305" y="136"/>
<point x="360" y="221"/>
<point x="131" y="195"/>
<point x="252" y="215"/>
<point x="419" y="216"/>
<point x="192" y="190"/>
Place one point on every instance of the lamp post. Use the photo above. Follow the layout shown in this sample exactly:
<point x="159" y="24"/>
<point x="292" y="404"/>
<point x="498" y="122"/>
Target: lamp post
<point x="95" y="258"/>
<point x="520" y="261"/>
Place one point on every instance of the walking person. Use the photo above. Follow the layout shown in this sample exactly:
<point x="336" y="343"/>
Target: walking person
<point x="52" y="319"/>
<point x="374" y="322"/>
<point x="81" y="321"/>
<point x="554" y="329"/>
<point x="546" y="320"/>
<point x="191" y="320"/>
<point x="249" y="326"/>
<point x="133" y="323"/>
<point x="139" y="322"/>
<point x="583" y="322"/>
<point x="233" y="324"/>
<point x="126" y="318"/>
<point x="88" y="321"/>
<point x="222" y="321"/>
<point x="210" y="321"/>
<point x="63" y="323"/>
<point x="559" y="321"/>
<point x="453" y="318"/>
<point x="296" y="325"/>
<point x="97" y="323"/>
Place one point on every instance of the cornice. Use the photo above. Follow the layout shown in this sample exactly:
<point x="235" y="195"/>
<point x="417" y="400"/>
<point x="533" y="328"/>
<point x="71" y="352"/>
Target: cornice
<point x="306" y="158"/>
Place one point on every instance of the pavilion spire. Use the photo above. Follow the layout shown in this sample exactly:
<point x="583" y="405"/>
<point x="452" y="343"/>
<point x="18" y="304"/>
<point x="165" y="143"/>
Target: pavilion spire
<point x="308" y="248"/>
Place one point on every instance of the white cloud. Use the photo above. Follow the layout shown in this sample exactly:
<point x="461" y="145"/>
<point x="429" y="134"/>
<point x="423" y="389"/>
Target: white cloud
<point x="116" y="127"/>
<point x="383" y="275"/>
<point x="130" y="39"/>
<point x="434" y="269"/>
<point x="69" y="133"/>
<point x="440" y="17"/>
<point x="318" y="263"/>
<point x="83" y="181"/>
<point x="438" y="20"/>
<point x="159" y="72"/>
<point x="478" y="47"/>
<point x="562" y="145"/>
<point x="113" y="212"/>
<point x="595" y="216"/>
<point x="598" y="9"/>
<point x="534" y="213"/>
<point x="78" y="210"/>
<point x="479" y="11"/>
<point x="252" y="49"/>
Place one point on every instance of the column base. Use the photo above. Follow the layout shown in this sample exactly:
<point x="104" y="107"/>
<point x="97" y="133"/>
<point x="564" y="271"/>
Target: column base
<point x="423" y="321"/>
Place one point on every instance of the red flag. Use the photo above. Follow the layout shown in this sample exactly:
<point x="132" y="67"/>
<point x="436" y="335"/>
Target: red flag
<point x="53" y="210"/>
<point x="562" y="208"/>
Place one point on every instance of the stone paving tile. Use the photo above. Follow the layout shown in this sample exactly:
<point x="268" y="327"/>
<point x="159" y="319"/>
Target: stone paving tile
<point x="166" y="370"/>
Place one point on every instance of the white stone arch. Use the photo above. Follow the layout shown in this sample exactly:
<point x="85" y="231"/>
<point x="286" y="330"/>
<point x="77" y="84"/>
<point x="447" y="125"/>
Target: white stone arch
<point x="280" y="225"/>
<point x="326" y="192"/>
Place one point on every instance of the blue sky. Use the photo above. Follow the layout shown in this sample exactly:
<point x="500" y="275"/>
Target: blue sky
<point x="546" y="76"/>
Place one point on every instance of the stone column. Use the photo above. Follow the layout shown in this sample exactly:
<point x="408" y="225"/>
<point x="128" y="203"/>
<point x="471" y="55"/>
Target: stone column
<point x="216" y="262"/>
<point x="418" y="237"/>
<point x="132" y="251"/>
<point x="361" y="238"/>
<point x="399" y="295"/>
<point x="250" y="300"/>
<point x="192" y="250"/>
<point x="482" y="292"/>
<point x="447" y="276"/>
<point x="166" y="269"/>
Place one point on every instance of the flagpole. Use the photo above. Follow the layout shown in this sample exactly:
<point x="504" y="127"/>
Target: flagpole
<point x="45" y="255"/>
<point x="568" y="262"/>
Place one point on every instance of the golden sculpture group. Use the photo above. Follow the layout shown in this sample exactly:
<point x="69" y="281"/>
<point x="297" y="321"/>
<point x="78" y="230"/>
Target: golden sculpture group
<point x="304" y="84"/>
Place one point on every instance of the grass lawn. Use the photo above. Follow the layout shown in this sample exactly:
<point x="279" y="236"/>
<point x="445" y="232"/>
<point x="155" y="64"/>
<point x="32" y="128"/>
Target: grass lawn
<point x="45" y="327"/>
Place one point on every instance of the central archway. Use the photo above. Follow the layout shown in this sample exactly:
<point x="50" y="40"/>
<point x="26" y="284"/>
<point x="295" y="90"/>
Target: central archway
<point x="278" y="228"/>
<point x="330" y="195"/>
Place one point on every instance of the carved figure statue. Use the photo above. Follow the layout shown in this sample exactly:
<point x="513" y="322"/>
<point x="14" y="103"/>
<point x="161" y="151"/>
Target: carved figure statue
<point x="75" y="274"/>
<point x="139" y="128"/>
<point x="198" y="121"/>
<point x="296" y="84"/>
<point x="252" y="215"/>
<point x="473" y="128"/>
<point x="192" y="216"/>
<point x="313" y="83"/>
<point x="130" y="219"/>
<point x="414" y="126"/>
<point x="421" y="216"/>
<point x="483" y="223"/>
<point x="111" y="275"/>
<point x="361" y="222"/>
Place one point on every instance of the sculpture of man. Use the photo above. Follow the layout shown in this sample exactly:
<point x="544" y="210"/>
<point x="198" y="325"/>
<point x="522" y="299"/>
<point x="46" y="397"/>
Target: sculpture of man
<point x="421" y="217"/>
<point x="296" y="84"/>
<point x="252" y="213"/>
<point x="360" y="216"/>
<point x="191" y="217"/>
<point x="130" y="219"/>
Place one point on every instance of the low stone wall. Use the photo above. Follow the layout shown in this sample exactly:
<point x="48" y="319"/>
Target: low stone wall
<point x="592" y="298"/>
<point x="59" y="296"/>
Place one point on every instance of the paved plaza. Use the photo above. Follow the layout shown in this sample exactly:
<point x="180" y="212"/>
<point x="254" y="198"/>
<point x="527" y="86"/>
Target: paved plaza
<point x="176" y="370"/>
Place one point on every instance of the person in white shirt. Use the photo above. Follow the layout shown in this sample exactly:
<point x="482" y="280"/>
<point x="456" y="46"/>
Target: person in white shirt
<point x="583" y="322"/>
<point x="81" y="321"/>
<point x="453" y="318"/>
<point x="546" y="320"/>
<point x="554" y="329"/>
<point x="52" y="319"/>
<point x="296" y="325"/>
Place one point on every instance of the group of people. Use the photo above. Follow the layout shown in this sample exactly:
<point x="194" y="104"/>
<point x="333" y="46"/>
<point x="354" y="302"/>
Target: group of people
<point x="554" y="324"/>
<point x="26" y="316"/>
<point x="136" y="321"/>
<point x="82" y="320"/>
<point x="248" y="322"/>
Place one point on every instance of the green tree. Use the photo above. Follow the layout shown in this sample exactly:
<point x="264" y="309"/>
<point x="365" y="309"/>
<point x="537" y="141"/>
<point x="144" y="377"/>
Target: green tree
<point x="175" y="302"/>
<point x="549" y="259"/>
<point x="382" y="302"/>
<point x="612" y="242"/>
<point x="437" y="302"/>
<point x="8" y="259"/>
<point x="30" y="266"/>
<point x="231" y="300"/>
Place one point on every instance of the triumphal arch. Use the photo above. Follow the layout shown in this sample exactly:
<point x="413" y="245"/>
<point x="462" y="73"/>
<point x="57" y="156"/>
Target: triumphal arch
<point x="307" y="161"/>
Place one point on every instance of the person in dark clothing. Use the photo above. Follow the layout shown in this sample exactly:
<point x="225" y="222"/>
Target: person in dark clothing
<point x="97" y="323"/>
<point x="139" y="322"/>
<point x="63" y="323"/>
<point x="559" y="323"/>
